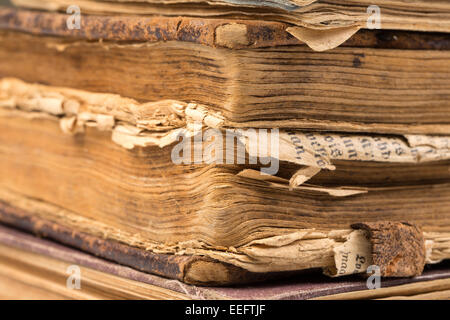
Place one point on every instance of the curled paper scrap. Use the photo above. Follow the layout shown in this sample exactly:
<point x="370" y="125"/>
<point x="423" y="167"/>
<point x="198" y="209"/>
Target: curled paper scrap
<point x="284" y="183"/>
<point x="302" y="175"/>
<point x="322" y="40"/>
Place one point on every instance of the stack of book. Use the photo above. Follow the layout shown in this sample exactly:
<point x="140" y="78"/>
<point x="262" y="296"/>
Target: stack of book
<point x="224" y="142"/>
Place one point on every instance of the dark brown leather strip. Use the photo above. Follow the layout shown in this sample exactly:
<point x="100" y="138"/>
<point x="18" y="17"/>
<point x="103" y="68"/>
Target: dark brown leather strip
<point x="142" y="28"/>
<point x="259" y="33"/>
<point x="398" y="248"/>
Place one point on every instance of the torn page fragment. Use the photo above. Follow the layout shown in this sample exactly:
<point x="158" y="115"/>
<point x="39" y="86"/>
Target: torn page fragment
<point x="318" y="149"/>
<point x="353" y="256"/>
<point x="322" y="40"/>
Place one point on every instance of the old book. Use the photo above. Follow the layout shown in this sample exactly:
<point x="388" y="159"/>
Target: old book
<point x="223" y="151"/>
<point x="33" y="268"/>
<point x="380" y="81"/>
<point x="109" y="177"/>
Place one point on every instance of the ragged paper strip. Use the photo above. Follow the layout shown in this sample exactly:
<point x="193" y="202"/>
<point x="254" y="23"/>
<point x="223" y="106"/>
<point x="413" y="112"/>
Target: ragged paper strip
<point x="130" y="137"/>
<point x="66" y="102"/>
<point x="317" y="150"/>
